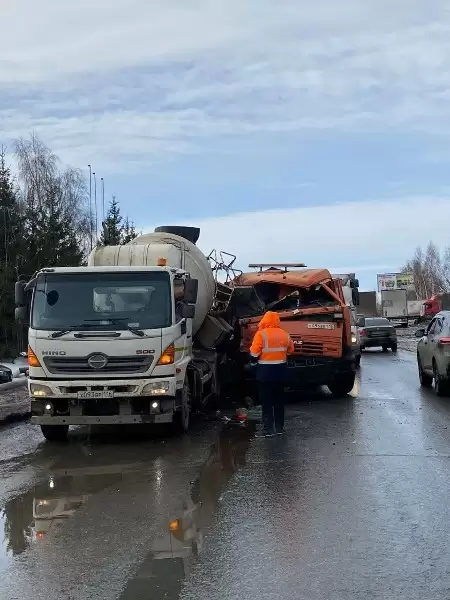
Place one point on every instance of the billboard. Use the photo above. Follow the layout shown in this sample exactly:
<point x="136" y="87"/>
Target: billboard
<point x="395" y="281"/>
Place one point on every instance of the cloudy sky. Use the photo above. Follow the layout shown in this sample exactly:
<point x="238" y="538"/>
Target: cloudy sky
<point x="289" y="131"/>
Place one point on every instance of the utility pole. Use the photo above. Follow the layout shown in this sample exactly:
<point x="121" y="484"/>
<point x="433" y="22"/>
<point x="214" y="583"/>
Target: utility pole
<point x="95" y="205"/>
<point x="90" y="204"/>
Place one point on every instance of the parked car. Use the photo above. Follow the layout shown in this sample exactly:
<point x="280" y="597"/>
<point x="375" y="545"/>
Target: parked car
<point x="5" y="374"/>
<point x="433" y="354"/>
<point x="377" y="332"/>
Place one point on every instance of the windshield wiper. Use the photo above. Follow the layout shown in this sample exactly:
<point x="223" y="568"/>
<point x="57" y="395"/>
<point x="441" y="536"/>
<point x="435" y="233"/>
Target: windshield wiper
<point x="57" y="334"/>
<point x="312" y="302"/>
<point x="114" y="320"/>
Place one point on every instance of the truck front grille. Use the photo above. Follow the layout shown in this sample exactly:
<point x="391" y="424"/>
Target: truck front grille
<point x="314" y="346"/>
<point x="116" y="365"/>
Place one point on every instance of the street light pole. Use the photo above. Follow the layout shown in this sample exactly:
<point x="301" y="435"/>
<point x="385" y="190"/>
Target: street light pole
<point x="90" y="204"/>
<point x="95" y="205"/>
<point x="103" y="199"/>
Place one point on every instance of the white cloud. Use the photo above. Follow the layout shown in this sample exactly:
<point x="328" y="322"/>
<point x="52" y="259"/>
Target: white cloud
<point x="149" y="78"/>
<point x="377" y="235"/>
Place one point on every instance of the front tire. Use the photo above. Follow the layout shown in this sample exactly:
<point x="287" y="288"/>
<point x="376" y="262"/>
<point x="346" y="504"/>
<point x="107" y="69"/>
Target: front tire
<point x="55" y="433"/>
<point x="342" y="384"/>
<point x="425" y="380"/>
<point x="182" y="418"/>
<point x="441" y="386"/>
<point x="394" y="347"/>
<point x="385" y="348"/>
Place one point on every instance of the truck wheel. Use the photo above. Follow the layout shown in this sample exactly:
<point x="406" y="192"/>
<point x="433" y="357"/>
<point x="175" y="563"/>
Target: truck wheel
<point x="425" y="380"/>
<point x="342" y="384"/>
<point x="55" y="433"/>
<point x="358" y="361"/>
<point x="182" y="418"/>
<point x="394" y="347"/>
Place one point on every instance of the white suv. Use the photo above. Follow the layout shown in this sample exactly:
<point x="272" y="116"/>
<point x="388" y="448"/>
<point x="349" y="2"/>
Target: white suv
<point x="433" y="354"/>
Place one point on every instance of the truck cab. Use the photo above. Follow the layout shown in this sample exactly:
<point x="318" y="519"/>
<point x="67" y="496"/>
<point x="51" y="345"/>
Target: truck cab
<point x="108" y="345"/>
<point x="313" y="310"/>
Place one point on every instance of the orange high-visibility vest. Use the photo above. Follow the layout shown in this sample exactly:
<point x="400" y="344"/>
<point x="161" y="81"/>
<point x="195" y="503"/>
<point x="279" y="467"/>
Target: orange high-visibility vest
<point x="271" y="346"/>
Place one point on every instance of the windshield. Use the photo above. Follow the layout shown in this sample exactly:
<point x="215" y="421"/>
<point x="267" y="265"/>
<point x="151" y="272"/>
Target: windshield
<point x="291" y="298"/>
<point x="102" y="301"/>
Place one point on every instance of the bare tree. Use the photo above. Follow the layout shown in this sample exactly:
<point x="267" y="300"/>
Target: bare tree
<point x="48" y="189"/>
<point x="431" y="271"/>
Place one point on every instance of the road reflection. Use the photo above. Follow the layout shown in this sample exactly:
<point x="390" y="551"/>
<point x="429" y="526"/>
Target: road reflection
<point x="176" y="549"/>
<point x="39" y="517"/>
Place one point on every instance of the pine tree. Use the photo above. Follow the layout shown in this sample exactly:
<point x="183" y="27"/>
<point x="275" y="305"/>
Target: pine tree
<point x="11" y="252"/>
<point x="112" y="228"/>
<point x="114" y="232"/>
<point x="128" y="232"/>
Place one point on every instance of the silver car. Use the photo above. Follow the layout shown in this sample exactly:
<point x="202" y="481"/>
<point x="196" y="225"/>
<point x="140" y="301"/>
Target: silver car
<point x="433" y="354"/>
<point x="377" y="332"/>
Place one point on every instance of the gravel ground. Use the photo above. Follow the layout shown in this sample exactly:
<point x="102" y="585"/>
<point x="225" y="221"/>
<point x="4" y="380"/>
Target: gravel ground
<point x="406" y="339"/>
<point x="14" y="404"/>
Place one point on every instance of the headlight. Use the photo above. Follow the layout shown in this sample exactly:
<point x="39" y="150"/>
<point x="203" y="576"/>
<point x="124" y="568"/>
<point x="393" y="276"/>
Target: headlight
<point x="40" y="391"/>
<point x="158" y="388"/>
<point x="353" y="338"/>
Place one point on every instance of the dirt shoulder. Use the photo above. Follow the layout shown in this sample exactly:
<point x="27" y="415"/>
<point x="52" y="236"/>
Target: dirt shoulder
<point x="406" y="339"/>
<point x="14" y="404"/>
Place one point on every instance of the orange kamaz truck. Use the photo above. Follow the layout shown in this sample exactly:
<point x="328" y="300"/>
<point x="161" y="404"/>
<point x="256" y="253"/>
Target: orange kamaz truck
<point x="312" y="308"/>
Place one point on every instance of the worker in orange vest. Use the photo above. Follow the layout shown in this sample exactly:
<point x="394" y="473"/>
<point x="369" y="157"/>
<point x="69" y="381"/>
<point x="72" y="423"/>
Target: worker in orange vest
<point x="269" y="351"/>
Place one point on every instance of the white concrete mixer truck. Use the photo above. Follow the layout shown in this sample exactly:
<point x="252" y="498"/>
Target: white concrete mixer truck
<point x="131" y="338"/>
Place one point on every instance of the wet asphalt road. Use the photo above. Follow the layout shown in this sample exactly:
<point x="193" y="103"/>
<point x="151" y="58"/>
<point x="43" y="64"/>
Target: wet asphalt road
<point x="352" y="503"/>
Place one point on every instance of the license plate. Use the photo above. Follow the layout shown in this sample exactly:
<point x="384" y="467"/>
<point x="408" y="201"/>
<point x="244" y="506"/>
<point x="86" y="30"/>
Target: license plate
<point x="95" y="395"/>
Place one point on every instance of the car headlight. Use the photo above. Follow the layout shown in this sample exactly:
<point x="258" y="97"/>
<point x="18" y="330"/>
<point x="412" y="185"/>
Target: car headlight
<point x="40" y="391"/>
<point x="157" y="388"/>
<point x="353" y="338"/>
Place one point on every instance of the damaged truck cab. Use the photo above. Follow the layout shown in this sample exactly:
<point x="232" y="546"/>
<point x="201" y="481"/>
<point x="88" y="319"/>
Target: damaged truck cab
<point x="313" y="310"/>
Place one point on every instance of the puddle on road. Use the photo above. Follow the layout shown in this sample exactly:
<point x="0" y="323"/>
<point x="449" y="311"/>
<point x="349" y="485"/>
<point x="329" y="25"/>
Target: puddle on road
<point x="175" y="550"/>
<point x="37" y="516"/>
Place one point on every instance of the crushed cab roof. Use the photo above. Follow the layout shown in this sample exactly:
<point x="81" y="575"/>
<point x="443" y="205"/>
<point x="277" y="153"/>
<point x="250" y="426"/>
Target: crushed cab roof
<point x="304" y="278"/>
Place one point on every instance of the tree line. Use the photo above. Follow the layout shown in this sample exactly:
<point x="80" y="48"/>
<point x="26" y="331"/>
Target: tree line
<point x="430" y="268"/>
<point x="44" y="221"/>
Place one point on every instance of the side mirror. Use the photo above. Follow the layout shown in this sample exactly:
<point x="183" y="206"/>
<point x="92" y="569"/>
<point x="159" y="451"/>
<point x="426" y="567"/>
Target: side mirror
<point x="355" y="296"/>
<point x="20" y="296"/>
<point x="190" y="291"/>
<point x="187" y="311"/>
<point x="420" y="333"/>
<point x="21" y="314"/>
